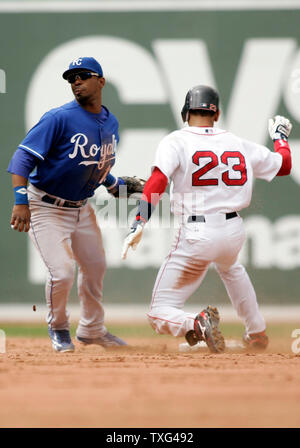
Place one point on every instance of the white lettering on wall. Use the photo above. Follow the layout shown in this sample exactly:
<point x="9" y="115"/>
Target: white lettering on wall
<point x="143" y="78"/>
<point x="268" y="245"/>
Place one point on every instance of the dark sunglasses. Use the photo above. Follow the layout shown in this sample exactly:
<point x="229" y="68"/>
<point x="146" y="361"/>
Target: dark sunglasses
<point x="81" y="75"/>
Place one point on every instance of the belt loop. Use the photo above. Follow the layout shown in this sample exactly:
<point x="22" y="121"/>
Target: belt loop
<point x="201" y="218"/>
<point x="59" y="202"/>
<point x="195" y="218"/>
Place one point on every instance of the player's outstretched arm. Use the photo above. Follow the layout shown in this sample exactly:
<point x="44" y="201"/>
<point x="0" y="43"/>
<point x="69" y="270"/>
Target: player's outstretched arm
<point x="154" y="188"/>
<point x="125" y="186"/>
<point x="279" y="130"/>
<point x="20" y="217"/>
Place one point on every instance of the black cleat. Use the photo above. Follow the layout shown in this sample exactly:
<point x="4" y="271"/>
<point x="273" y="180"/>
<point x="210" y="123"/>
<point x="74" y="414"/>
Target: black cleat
<point x="206" y="328"/>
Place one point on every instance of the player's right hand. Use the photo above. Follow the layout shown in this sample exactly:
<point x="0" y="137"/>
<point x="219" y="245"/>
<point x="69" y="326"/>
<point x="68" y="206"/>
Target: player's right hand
<point x="20" y="218"/>
<point x="133" y="238"/>
<point x="279" y="128"/>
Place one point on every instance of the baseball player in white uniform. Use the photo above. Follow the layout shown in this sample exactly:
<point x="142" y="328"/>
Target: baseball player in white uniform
<point x="211" y="173"/>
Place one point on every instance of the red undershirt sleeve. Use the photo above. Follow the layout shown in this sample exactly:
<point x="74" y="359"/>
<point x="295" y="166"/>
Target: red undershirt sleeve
<point x="282" y="147"/>
<point x="153" y="190"/>
<point x="155" y="186"/>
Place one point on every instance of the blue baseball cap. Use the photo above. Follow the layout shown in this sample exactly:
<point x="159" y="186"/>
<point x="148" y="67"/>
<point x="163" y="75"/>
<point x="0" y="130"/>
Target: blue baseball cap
<point x="84" y="64"/>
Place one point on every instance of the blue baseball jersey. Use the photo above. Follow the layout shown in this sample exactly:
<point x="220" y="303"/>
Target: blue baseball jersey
<point x="75" y="150"/>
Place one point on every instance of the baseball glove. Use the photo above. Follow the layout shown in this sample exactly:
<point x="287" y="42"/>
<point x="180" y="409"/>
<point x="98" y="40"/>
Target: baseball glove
<point x="133" y="185"/>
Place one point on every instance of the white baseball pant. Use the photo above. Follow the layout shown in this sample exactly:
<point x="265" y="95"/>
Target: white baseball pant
<point x="65" y="237"/>
<point x="196" y="246"/>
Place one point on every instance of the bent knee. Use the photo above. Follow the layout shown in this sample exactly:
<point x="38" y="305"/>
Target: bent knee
<point x="155" y="320"/>
<point x="94" y="270"/>
<point x="158" y="321"/>
<point x="233" y="270"/>
<point x="63" y="276"/>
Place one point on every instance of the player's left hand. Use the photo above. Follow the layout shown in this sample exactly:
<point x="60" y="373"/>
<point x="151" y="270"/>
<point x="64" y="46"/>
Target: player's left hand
<point x="279" y="128"/>
<point x="133" y="185"/>
<point x="133" y="238"/>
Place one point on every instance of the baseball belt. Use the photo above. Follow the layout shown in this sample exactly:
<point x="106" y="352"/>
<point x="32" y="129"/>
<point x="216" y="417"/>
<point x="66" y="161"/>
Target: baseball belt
<point x="201" y="218"/>
<point x="62" y="203"/>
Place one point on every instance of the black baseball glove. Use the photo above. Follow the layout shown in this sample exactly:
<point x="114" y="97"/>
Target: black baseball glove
<point x="132" y="185"/>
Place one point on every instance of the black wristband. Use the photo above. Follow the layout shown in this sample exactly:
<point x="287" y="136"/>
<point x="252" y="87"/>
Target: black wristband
<point x="145" y="211"/>
<point x="280" y="136"/>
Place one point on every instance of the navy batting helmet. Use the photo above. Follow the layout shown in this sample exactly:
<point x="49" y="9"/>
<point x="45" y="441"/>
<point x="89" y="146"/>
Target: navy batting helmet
<point x="200" y="97"/>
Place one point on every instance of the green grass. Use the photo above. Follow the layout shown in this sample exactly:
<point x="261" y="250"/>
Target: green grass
<point x="230" y="330"/>
<point x="40" y="330"/>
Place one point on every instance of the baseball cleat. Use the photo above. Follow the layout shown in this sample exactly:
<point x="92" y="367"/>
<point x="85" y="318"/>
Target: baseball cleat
<point x="256" y="340"/>
<point x="61" y="340"/>
<point x="107" y="340"/>
<point x="206" y="328"/>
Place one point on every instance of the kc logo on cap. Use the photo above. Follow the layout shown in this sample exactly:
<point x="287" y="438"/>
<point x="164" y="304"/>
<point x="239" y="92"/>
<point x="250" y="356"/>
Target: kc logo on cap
<point x="77" y="61"/>
<point x="84" y="63"/>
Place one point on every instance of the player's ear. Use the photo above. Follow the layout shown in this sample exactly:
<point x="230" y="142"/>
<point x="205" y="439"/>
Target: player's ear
<point x="102" y="82"/>
<point x="217" y="115"/>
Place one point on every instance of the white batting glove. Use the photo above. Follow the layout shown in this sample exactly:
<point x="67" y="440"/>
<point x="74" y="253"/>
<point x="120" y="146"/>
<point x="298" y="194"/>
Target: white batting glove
<point x="279" y="128"/>
<point x="133" y="239"/>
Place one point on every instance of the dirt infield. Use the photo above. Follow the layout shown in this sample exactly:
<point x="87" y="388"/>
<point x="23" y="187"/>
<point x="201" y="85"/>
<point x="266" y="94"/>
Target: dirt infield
<point x="149" y="385"/>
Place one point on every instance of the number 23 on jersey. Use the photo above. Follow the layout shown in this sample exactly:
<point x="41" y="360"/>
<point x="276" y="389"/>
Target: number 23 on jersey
<point x="233" y="159"/>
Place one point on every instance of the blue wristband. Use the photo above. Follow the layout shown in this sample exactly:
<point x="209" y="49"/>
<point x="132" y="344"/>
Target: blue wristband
<point x="21" y="197"/>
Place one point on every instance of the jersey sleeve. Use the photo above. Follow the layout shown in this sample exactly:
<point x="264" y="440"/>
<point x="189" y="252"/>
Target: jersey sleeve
<point x="265" y="163"/>
<point x="41" y="137"/>
<point x="166" y="158"/>
<point x="22" y="163"/>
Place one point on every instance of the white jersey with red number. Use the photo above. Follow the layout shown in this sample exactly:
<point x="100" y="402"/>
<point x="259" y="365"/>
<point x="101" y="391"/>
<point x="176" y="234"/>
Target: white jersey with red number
<point x="212" y="170"/>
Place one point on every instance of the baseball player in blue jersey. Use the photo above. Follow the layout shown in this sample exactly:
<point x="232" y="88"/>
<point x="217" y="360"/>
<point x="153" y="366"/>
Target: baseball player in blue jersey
<point x="65" y="157"/>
